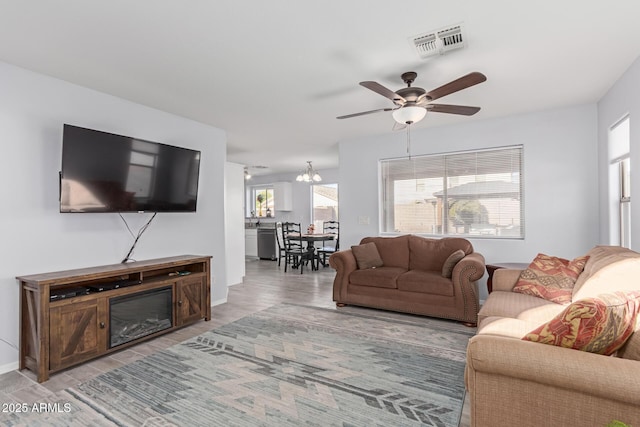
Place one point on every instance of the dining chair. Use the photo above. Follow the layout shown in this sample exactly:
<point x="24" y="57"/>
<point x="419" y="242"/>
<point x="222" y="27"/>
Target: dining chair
<point x="280" y="241"/>
<point x="329" y="227"/>
<point x="296" y="252"/>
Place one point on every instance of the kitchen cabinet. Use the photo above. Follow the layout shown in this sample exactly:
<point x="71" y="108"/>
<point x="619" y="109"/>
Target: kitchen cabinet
<point x="251" y="242"/>
<point x="282" y="196"/>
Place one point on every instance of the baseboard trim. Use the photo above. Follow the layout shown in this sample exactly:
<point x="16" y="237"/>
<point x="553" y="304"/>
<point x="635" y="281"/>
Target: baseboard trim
<point x="218" y="302"/>
<point x="13" y="366"/>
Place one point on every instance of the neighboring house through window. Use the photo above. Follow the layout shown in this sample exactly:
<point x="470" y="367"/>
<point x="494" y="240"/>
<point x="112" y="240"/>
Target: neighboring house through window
<point x="475" y="193"/>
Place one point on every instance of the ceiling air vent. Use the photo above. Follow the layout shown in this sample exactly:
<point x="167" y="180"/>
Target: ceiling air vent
<point x="439" y="42"/>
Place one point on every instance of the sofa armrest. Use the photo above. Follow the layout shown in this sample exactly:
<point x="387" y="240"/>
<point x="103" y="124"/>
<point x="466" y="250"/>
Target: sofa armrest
<point x="505" y="279"/>
<point x="469" y="269"/>
<point x="344" y="263"/>
<point x="465" y="275"/>
<point x="564" y="383"/>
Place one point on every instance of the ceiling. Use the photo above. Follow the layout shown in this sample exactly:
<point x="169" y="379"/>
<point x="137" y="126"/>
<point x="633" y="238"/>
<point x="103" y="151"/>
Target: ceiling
<point x="275" y="74"/>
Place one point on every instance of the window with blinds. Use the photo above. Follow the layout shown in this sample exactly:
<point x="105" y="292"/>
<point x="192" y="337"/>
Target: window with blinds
<point x="475" y="193"/>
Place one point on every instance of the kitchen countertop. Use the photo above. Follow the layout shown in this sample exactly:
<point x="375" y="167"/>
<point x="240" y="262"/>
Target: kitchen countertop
<point x="263" y="225"/>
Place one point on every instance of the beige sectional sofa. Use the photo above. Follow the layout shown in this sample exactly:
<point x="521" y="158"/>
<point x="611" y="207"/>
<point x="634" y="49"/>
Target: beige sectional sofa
<point x="512" y="382"/>
<point x="410" y="278"/>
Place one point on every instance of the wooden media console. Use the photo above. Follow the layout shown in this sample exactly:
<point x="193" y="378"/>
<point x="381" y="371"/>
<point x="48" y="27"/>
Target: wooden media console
<point x="69" y="317"/>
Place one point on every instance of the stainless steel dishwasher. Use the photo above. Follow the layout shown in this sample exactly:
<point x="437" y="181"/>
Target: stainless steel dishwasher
<point x="267" y="243"/>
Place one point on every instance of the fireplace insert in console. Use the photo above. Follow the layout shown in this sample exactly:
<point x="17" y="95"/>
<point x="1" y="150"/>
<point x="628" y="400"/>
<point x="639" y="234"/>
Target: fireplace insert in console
<point x="138" y="315"/>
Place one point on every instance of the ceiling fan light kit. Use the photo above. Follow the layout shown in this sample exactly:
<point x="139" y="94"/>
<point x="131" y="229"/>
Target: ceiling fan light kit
<point x="409" y="114"/>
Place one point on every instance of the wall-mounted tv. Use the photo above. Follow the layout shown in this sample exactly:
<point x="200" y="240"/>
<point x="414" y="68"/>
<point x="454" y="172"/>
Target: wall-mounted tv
<point x="104" y="172"/>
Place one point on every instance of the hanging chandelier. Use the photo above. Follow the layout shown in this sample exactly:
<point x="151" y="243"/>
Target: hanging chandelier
<point x="309" y="174"/>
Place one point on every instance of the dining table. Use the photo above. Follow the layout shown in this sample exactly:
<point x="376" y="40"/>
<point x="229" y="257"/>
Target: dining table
<point x="311" y="238"/>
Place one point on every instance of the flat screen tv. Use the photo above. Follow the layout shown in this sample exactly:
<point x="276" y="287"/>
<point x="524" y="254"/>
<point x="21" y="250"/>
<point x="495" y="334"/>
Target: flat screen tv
<point x="104" y="172"/>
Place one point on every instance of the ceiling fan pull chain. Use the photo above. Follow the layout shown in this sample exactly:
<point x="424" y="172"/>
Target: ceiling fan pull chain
<point x="409" y="140"/>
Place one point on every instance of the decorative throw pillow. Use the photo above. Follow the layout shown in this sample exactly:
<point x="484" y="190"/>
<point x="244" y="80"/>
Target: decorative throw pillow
<point x="367" y="256"/>
<point x="598" y="325"/>
<point x="452" y="260"/>
<point x="551" y="278"/>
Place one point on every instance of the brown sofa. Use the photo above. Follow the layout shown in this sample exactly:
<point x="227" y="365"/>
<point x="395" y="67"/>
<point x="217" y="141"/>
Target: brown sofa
<point x="411" y="278"/>
<point x="528" y="384"/>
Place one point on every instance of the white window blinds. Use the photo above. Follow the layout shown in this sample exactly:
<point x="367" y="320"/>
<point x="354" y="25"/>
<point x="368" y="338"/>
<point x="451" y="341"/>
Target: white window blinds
<point x="476" y="193"/>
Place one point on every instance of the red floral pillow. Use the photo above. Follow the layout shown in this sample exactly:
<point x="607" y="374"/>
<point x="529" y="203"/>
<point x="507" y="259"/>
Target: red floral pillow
<point x="551" y="278"/>
<point x="598" y="325"/>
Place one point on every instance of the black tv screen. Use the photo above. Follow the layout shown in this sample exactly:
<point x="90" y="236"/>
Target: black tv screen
<point x="104" y="172"/>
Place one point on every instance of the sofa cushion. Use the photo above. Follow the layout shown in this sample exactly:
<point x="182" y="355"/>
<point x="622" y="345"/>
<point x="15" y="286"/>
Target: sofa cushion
<point x="428" y="282"/>
<point x="518" y="306"/>
<point x="506" y="327"/>
<point x="450" y="263"/>
<point x="394" y="251"/>
<point x="598" y="325"/>
<point x="618" y="275"/>
<point x="382" y="277"/>
<point x="599" y="257"/>
<point x="430" y="254"/>
<point x="551" y="278"/>
<point x="367" y="256"/>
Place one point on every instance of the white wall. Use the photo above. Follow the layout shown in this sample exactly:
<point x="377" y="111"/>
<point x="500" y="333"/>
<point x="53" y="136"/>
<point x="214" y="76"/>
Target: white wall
<point x="234" y="222"/>
<point x="36" y="238"/>
<point x="560" y="179"/>
<point x="622" y="99"/>
<point x="301" y="194"/>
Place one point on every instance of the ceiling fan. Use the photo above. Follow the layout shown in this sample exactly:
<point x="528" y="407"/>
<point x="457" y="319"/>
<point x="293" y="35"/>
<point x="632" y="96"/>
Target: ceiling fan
<point x="412" y="103"/>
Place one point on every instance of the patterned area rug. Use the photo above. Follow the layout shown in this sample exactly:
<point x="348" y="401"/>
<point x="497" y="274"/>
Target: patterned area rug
<point x="288" y="365"/>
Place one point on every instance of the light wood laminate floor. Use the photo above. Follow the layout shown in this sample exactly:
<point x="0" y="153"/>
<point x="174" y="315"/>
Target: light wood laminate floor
<point x="265" y="285"/>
